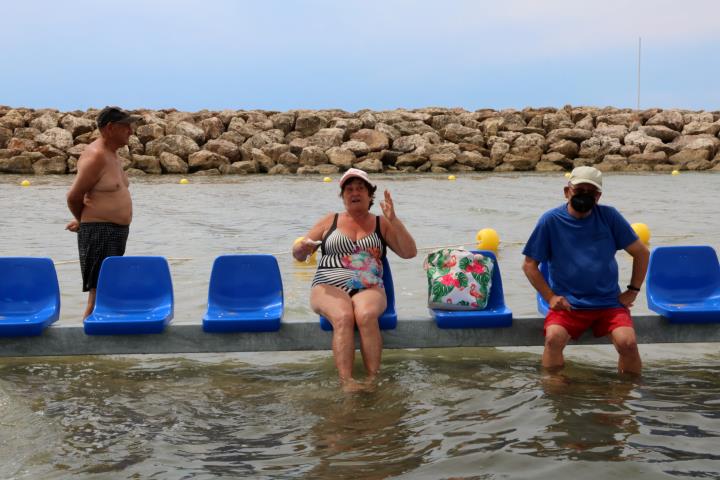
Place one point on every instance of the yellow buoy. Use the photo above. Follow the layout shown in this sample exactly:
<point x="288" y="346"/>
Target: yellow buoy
<point x="25" y="183"/>
<point x="488" y="239"/>
<point x="676" y="172"/>
<point x="451" y="177"/>
<point x="184" y="181"/>
<point x="567" y="174"/>
<point x="327" y="179"/>
<point x="642" y="231"/>
<point x="312" y="259"/>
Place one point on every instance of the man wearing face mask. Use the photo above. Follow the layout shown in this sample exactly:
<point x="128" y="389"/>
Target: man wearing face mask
<point x="578" y="241"/>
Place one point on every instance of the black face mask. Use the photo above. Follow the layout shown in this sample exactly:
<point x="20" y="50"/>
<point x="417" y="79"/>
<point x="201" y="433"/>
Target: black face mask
<point x="582" y="202"/>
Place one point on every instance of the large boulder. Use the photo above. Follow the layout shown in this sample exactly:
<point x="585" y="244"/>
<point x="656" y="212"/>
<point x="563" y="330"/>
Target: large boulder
<point x="651" y="159"/>
<point x="263" y="138"/>
<point x="409" y="143"/>
<point x="370" y="165"/>
<point x="309" y="124"/>
<point x="179" y="145"/>
<point x="312" y="156"/>
<point x="410" y="160"/>
<point x="684" y="157"/>
<point x="615" y="131"/>
<point x="596" y="148"/>
<point x="576" y="135"/>
<point x="612" y="163"/>
<point x="243" y="167"/>
<point x="359" y="148"/>
<point x="624" y="119"/>
<point x="149" y="132"/>
<point x="171" y="163"/>
<point x="701" y="128"/>
<point x="640" y="140"/>
<point x="283" y="121"/>
<point x="22" y="163"/>
<point x="57" y="137"/>
<point x="374" y="139"/>
<point x="668" y="118"/>
<point x="567" y="148"/>
<point x="341" y="157"/>
<point x="187" y="129"/>
<point x="660" y="131"/>
<point x="327" y="138"/>
<point x="391" y="132"/>
<point x="5" y="136"/>
<point x="77" y="125"/>
<point x="225" y="148"/>
<point x="50" y="166"/>
<point x="206" y="160"/>
<point x="415" y="127"/>
<point x="212" y="128"/>
<point x="457" y="133"/>
<point x="146" y="163"/>
<point x="12" y="120"/>
<point x="46" y="121"/>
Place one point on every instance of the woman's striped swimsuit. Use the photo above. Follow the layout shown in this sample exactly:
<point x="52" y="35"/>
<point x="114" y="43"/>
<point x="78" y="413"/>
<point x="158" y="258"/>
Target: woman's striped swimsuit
<point x="348" y="265"/>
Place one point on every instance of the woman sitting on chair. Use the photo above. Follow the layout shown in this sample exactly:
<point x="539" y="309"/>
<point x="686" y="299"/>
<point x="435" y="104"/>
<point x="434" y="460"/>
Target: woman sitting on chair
<point x="348" y="286"/>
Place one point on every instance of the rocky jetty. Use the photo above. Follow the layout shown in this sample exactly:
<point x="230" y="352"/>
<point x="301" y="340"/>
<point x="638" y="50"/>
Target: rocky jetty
<point x="329" y="141"/>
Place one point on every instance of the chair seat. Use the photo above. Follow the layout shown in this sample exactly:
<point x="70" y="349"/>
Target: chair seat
<point x="134" y="296"/>
<point x="683" y="284"/>
<point x="267" y="319"/>
<point x="496" y="314"/>
<point x="487" y="318"/>
<point x="29" y="296"/>
<point x="245" y="295"/>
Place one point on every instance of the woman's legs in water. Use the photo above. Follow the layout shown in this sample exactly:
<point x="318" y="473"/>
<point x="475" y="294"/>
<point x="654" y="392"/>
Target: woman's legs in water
<point x="336" y="305"/>
<point x="368" y="305"/>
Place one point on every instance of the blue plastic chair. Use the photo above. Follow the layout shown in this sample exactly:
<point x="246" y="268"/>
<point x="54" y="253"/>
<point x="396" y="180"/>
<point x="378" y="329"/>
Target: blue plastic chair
<point x="245" y="295"/>
<point x="683" y="284"/>
<point x="29" y="296"/>
<point x="134" y="296"/>
<point x="388" y="320"/>
<point x="495" y="314"/>
<point x="542" y="305"/>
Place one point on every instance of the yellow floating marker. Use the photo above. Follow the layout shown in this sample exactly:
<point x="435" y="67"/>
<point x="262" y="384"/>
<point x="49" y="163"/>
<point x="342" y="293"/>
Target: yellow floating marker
<point x="25" y="183"/>
<point x="488" y="239"/>
<point x="676" y="172"/>
<point x="312" y="259"/>
<point x="327" y="179"/>
<point x="642" y="231"/>
<point x="184" y="181"/>
<point x="451" y="177"/>
<point x="567" y="174"/>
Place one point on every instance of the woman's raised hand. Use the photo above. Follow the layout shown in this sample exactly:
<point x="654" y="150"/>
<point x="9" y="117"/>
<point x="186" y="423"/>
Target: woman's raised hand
<point x="388" y="208"/>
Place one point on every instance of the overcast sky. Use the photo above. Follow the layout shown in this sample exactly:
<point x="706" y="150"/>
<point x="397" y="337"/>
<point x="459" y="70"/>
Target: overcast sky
<point x="281" y="55"/>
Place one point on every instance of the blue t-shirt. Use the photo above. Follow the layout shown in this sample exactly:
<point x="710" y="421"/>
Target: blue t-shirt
<point x="580" y="253"/>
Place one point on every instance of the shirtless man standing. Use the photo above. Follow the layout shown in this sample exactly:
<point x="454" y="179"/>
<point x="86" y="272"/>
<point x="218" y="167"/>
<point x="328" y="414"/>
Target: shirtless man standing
<point x="99" y="199"/>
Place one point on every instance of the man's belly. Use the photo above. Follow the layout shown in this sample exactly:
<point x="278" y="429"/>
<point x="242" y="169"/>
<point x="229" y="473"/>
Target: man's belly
<point x="115" y="207"/>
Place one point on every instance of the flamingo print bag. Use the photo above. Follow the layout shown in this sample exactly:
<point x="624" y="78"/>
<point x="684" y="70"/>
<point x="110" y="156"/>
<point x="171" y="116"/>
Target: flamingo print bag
<point x="458" y="279"/>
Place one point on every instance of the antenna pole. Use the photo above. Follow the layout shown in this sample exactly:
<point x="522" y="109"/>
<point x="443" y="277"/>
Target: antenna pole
<point x="638" y="71"/>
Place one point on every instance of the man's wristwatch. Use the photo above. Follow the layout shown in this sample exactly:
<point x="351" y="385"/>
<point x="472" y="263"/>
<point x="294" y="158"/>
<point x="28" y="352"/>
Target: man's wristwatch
<point x="633" y="288"/>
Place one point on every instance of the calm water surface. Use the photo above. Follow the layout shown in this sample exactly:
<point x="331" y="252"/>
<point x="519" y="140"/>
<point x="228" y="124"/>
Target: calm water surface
<point x="453" y="413"/>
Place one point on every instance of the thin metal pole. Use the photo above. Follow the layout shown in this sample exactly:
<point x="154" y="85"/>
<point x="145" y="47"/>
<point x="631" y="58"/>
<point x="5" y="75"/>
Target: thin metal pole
<point x="638" y="71"/>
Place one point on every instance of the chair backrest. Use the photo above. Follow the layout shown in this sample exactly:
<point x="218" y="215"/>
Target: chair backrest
<point x="389" y="286"/>
<point x="542" y="305"/>
<point x="27" y="284"/>
<point x="133" y="284"/>
<point x="245" y="281"/>
<point x="682" y="274"/>
<point x="497" y="296"/>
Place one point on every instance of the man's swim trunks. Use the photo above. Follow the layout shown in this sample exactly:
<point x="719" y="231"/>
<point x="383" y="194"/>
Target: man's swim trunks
<point x="97" y="241"/>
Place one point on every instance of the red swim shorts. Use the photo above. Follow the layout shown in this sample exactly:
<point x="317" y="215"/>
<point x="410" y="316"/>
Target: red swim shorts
<point x="602" y="321"/>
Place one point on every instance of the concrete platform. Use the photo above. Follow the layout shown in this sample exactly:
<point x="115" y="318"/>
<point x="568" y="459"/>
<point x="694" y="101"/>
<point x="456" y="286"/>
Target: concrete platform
<point x="64" y="340"/>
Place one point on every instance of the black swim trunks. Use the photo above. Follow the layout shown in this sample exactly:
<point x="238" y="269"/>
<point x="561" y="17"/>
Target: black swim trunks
<point x="97" y="241"/>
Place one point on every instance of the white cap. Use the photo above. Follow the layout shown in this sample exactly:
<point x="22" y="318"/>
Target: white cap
<point x="590" y="175"/>
<point x="355" y="173"/>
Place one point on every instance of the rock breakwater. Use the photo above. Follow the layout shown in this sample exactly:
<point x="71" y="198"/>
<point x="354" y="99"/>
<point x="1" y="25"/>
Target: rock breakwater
<point x="45" y="141"/>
